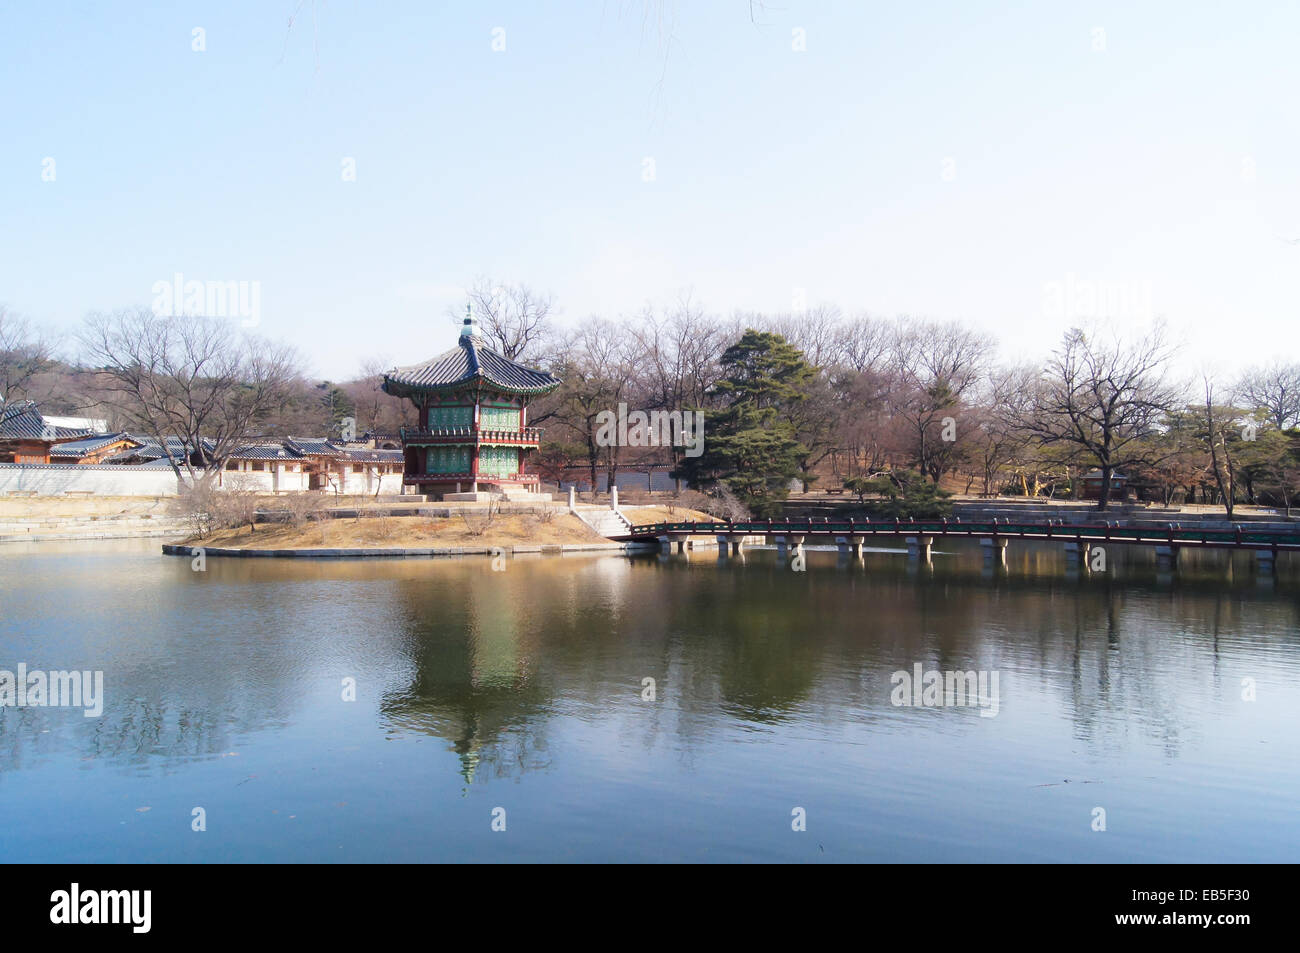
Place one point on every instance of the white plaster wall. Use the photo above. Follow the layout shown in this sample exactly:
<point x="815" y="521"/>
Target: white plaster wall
<point x="53" y="480"/>
<point x="104" y="481"/>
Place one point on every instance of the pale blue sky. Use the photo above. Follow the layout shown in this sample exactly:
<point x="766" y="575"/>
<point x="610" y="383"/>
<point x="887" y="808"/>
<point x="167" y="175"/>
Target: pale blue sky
<point x="1170" y="160"/>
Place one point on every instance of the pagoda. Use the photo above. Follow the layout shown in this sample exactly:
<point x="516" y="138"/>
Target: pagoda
<point x="473" y="437"/>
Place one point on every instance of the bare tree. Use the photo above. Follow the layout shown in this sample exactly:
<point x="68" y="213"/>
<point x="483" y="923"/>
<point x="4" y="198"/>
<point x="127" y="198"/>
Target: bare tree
<point x="595" y="365"/>
<point x="938" y="367"/>
<point x="676" y="362"/>
<point x="24" y="353"/>
<point x="863" y="343"/>
<point x="191" y="383"/>
<point x="816" y="331"/>
<point x="1218" y="422"/>
<point x="514" y="319"/>
<point x="999" y="436"/>
<point x="376" y="409"/>
<point x="1274" y="388"/>
<point x="1104" y="398"/>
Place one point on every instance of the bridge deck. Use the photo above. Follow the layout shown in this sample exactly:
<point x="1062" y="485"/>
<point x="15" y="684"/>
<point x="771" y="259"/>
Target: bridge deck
<point x="1172" y="534"/>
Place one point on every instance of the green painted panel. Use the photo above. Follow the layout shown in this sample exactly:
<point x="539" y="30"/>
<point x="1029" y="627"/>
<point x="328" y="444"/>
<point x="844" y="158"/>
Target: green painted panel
<point x="448" y="460"/>
<point x="445" y="418"/>
<point x="498" y="418"/>
<point x="498" y="461"/>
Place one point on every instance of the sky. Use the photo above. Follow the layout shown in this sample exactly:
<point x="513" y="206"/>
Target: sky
<point x="1017" y="167"/>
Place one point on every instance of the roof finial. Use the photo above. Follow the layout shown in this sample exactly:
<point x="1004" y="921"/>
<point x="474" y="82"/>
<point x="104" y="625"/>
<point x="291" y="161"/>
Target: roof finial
<point x="470" y="328"/>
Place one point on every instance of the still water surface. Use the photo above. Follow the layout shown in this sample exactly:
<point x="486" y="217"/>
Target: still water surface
<point x="523" y="690"/>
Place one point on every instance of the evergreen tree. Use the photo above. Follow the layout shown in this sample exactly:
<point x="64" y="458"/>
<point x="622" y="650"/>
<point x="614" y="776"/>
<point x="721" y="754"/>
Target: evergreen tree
<point x="750" y="445"/>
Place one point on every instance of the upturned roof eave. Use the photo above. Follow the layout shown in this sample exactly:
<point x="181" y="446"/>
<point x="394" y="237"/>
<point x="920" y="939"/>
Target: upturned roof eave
<point x="400" y="388"/>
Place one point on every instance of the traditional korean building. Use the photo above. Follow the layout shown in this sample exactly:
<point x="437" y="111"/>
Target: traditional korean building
<point x="26" y="436"/>
<point x="93" y="450"/>
<point x="473" y="437"/>
<point x="1092" y="485"/>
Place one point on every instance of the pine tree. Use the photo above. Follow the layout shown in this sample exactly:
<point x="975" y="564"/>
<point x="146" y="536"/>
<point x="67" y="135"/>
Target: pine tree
<point x="750" y="446"/>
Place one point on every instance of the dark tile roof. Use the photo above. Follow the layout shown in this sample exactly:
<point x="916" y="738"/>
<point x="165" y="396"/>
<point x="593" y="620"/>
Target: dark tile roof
<point x="79" y="448"/>
<point x="136" y="453"/>
<point x="367" y="455"/>
<point x="265" y="451"/>
<point x="314" y="446"/>
<point x="175" y="444"/>
<point x="468" y="363"/>
<point x="20" y="420"/>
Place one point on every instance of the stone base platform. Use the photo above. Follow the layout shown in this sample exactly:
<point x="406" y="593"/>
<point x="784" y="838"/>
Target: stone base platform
<point x="483" y="496"/>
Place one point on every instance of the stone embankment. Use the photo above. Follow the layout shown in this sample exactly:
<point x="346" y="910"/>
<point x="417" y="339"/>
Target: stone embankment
<point x="14" y="529"/>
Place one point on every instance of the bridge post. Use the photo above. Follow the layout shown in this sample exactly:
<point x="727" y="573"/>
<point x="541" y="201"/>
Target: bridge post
<point x="918" y="548"/>
<point x="1076" y="554"/>
<point x="785" y="543"/>
<point x="665" y="544"/>
<point x="994" y="549"/>
<point x="1166" y="557"/>
<point x="737" y="543"/>
<point x="849" y="545"/>
<point x="1264" y="560"/>
<point x="724" y="544"/>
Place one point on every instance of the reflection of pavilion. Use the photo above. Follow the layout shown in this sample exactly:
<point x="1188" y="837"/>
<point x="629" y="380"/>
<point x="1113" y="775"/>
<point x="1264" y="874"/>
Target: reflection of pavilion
<point x="473" y="684"/>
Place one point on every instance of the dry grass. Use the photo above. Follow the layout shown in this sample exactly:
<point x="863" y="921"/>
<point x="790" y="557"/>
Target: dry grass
<point x="664" y="514"/>
<point x="405" y="532"/>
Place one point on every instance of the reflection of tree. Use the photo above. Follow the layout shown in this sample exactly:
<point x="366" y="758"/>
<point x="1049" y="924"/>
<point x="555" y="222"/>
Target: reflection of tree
<point x="157" y="717"/>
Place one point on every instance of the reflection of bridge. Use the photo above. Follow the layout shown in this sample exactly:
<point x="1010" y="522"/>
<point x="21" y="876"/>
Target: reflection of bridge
<point x="1079" y="538"/>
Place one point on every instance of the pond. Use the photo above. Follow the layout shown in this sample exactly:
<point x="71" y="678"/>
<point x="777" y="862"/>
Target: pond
<point x="651" y="708"/>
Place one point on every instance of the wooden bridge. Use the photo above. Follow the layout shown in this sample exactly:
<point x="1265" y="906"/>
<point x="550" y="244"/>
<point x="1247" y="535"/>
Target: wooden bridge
<point x="850" y="535"/>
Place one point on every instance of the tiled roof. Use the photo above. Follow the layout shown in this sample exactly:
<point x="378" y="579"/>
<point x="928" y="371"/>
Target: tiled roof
<point x="136" y="453"/>
<point x="265" y="451"/>
<point x="373" y="456"/>
<point x="20" y="420"/>
<point x="175" y="444"/>
<point x="79" y="448"/>
<point x="314" y="446"/>
<point x="468" y="363"/>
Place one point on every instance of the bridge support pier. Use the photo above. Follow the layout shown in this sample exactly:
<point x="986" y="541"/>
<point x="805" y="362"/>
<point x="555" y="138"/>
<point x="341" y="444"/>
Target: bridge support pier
<point x="1264" y="560"/>
<point x="994" y="550"/>
<point x="669" y="543"/>
<point x="1166" y="557"/>
<point x="918" y="548"/>
<point x="849" y="545"/>
<point x="785" y="543"/>
<point x="1076" y="555"/>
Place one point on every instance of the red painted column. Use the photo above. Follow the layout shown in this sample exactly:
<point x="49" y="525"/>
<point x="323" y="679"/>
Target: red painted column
<point x="475" y="431"/>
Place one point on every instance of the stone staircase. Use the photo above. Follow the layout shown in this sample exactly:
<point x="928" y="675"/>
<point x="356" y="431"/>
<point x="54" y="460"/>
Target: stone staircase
<point x="603" y="520"/>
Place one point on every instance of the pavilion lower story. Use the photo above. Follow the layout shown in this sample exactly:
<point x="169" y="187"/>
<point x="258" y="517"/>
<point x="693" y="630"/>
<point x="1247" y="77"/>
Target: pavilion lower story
<point x="466" y="474"/>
